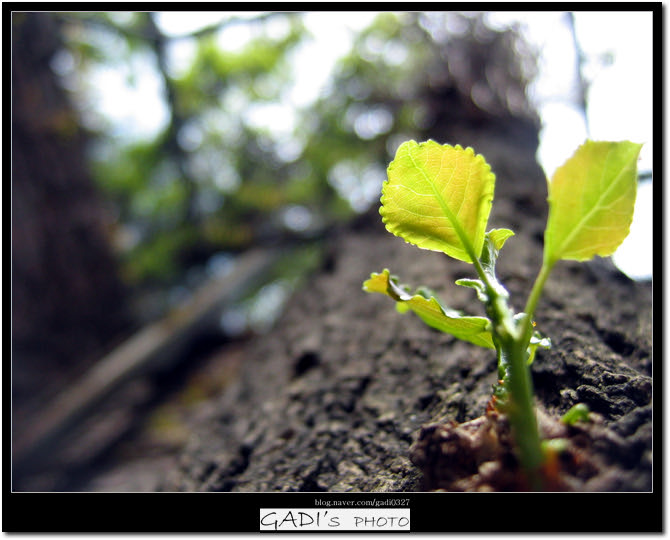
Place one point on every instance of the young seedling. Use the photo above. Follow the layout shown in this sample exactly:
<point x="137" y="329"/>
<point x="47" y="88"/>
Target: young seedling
<point x="438" y="197"/>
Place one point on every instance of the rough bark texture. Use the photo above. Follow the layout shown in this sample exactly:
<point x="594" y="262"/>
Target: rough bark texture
<point x="334" y="396"/>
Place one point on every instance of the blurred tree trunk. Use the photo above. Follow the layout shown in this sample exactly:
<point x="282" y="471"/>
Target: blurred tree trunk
<point x="67" y="299"/>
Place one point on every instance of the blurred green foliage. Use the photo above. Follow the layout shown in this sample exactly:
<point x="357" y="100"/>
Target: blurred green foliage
<point x="222" y="174"/>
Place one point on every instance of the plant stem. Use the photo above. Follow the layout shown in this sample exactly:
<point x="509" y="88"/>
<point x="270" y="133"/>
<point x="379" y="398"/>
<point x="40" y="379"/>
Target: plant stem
<point x="521" y="411"/>
<point x="534" y="298"/>
<point x="512" y="345"/>
<point x="512" y="342"/>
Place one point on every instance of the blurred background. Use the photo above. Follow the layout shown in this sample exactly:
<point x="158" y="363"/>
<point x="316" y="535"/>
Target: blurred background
<point x="175" y="176"/>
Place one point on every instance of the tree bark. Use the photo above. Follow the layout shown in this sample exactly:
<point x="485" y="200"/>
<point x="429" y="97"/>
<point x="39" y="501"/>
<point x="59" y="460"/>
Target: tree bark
<point x="333" y="398"/>
<point x="68" y="302"/>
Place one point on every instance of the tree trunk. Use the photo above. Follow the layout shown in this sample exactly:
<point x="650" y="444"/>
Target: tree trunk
<point x="68" y="302"/>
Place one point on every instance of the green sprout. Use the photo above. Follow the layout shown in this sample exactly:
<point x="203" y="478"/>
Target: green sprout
<point x="438" y="197"/>
<point x="578" y="413"/>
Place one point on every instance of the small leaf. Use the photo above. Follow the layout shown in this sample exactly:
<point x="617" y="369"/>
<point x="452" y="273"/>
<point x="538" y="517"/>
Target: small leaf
<point x="536" y="341"/>
<point x="472" y="329"/>
<point x="438" y="197"/>
<point x="493" y="241"/>
<point x="591" y="201"/>
<point x="477" y="285"/>
<point x="499" y="237"/>
<point x="384" y="284"/>
<point x="578" y="413"/>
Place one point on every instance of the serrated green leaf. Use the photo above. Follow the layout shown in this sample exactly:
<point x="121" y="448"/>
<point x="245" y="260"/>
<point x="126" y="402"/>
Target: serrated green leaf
<point x="438" y="197"/>
<point x="468" y="328"/>
<point x="591" y="201"/>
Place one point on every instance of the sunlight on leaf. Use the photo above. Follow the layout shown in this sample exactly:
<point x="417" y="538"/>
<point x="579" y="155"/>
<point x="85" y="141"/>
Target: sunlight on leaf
<point x="438" y="197"/>
<point x="591" y="201"/>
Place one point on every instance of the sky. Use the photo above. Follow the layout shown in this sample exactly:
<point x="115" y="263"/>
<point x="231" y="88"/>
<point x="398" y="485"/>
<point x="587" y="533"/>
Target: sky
<point x="620" y="101"/>
<point x="617" y="46"/>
